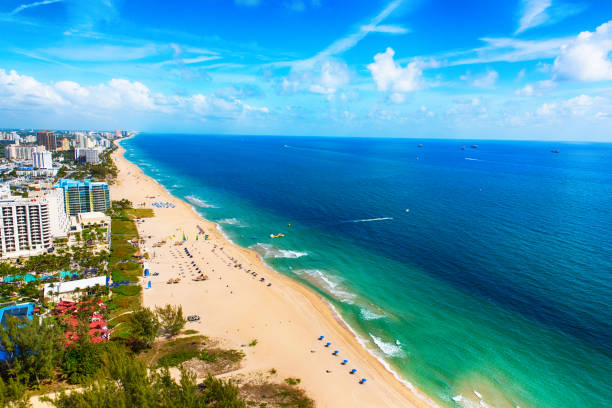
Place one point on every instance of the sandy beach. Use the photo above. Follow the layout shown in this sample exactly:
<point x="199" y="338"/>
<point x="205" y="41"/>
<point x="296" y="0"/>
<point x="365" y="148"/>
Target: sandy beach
<point x="237" y="306"/>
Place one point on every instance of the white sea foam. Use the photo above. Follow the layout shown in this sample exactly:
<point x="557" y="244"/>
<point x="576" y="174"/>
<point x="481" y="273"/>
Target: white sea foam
<point x="365" y="344"/>
<point x="231" y="221"/>
<point x="471" y="159"/>
<point x="270" y="251"/>
<point x="389" y="349"/>
<point x="372" y="219"/>
<point x="199" y="202"/>
<point x="328" y="284"/>
<point x="367" y="314"/>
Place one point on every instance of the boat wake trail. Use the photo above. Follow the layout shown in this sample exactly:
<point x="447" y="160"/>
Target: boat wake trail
<point x="371" y="219"/>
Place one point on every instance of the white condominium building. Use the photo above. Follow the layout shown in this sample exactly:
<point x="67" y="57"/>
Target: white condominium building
<point x="28" y="225"/>
<point x="42" y="160"/>
<point x="15" y="152"/>
<point x="24" y="227"/>
<point x="88" y="155"/>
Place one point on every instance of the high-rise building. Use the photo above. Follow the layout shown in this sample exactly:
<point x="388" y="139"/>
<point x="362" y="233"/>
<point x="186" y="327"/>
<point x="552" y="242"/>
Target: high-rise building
<point x="15" y="152"/>
<point x="47" y="138"/>
<point x="59" y="222"/>
<point x="117" y="133"/>
<point x="84" y="196"/>
<point x="25" y="226"/>
<point x="42" y="160"/>
<point x="65" y="144"/>
<point x="88" y="155"/>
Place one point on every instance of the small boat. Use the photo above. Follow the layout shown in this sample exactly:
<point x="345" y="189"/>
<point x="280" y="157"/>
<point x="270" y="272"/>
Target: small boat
<point x="277" y="235"/>
<point x="407" y="209"/>
<point x="474" y="146"/>
<point x="554" y="151"/>
<point x="462" y="147"/>
<point x="419" y="145"/>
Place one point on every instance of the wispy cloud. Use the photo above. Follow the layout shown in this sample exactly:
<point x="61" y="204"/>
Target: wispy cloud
<point x="346" y="43"/>
<point x="535" y="13"/>
<point x="388" y="29"/>
<point x="19" y="9"/>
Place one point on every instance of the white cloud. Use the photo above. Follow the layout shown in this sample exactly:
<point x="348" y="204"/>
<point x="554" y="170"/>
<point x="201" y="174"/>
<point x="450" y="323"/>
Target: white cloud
<point x="507" y="50"/>
<point x="587" y="58"/>
<point x="334" y="74"/>
<point x="486" y="80"/>
<point x="533" y="14"/>
<point x="19" y="9"/>
<point x="114" y="97"/>
<point x="391" y="76"/>
<point x="535" y="89"/>
<point x="388" y="29"/>
<point x="584" y="106"/>
<point x="536" y="13"/>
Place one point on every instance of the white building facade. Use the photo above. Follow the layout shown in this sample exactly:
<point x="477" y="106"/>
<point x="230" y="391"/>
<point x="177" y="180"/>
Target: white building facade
<point x="42" y="160"/>
<point x="25" y="227"/>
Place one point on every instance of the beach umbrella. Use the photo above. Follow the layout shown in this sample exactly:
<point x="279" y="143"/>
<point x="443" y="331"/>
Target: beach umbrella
<point x="335" y="353"/>
<point x="353" y="371"/>
<point x="327" y="344"/>
<point x="321" y="337"/>
<point x="344" y="362"/>
<point x="149" y="285"/>
<point x="363" y="380"/>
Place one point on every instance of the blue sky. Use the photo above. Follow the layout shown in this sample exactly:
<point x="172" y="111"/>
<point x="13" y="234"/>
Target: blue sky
<point x="512" y="69"/>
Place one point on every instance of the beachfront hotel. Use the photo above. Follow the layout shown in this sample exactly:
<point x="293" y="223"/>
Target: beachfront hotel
<point x="16" y="152"/>
<point x="25" y="226"/>
<point x="84" y="196"/>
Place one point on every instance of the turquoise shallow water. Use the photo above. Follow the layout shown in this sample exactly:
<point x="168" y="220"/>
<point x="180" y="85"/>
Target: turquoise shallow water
<point x="494" y="288"/>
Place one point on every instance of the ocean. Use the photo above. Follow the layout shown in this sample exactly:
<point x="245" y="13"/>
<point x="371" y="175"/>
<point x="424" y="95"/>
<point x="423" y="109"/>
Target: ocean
<point x="482" y="276"/>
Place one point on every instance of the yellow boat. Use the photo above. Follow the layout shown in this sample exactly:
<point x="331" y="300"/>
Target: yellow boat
<point x="277" y="235"/>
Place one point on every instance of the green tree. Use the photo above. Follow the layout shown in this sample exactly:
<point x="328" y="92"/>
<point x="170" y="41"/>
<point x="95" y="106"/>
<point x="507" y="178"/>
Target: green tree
<point x="32" y="347"/>
<point x="12" y="394"/>
<point x="144" y="327"/>
<point x="171" y="319"/>
<point x="81" y="362"/>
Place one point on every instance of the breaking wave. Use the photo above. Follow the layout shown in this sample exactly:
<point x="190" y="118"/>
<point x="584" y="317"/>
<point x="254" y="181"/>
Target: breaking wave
<point x="389" y="349"/>
<point x="328" y="284"/>
<point x="199" y="202"/>
<point x="230" y="221"/>
<point x="270" y="251"/>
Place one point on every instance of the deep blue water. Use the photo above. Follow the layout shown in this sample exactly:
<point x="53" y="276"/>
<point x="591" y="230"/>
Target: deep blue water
<point x="502" y="264"/>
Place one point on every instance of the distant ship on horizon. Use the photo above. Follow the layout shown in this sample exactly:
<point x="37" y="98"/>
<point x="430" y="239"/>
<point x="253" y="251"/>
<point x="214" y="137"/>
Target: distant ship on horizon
<point x="554" y="151"/>
<point x="474" y="146"/>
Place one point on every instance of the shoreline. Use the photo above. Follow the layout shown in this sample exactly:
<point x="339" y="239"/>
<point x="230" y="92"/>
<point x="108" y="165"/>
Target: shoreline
<point x="392" y="389"/>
